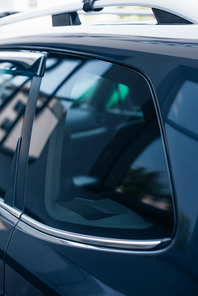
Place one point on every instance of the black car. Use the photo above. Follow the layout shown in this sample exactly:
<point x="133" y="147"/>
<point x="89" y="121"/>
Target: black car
<point x="98" y="153"/>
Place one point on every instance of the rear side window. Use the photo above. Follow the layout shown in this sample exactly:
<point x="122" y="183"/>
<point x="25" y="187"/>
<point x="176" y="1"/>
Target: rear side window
<point x="96" y="162"/>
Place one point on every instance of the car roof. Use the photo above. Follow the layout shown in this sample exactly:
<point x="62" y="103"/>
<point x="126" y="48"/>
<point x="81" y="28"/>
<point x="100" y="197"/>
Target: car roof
<point x="177" y="32"/>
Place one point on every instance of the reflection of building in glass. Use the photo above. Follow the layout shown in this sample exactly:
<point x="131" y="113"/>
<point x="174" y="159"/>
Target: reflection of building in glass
<point x="44" y="124"/>
<point x="13" y="94"/>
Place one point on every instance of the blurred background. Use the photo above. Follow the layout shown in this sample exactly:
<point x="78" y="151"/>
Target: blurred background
<point x="138" y="15"/>
<point x="25" y="4"/>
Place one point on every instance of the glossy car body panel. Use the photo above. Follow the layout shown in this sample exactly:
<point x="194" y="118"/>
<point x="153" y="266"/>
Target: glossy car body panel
<point x="94" y="270"/>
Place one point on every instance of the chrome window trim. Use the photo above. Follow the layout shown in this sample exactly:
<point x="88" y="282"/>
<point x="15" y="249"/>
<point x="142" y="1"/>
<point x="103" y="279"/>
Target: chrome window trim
<point x="29" y="61"/>
<point x="93" y="240"/>
<point x="15" y="212"/>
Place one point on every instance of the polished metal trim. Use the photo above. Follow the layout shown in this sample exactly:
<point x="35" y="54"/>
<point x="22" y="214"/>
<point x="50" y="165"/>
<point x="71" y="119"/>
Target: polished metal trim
<point x="15" y="212"/>
<point x="93" y="240"/>
<point x="32" y="62"/>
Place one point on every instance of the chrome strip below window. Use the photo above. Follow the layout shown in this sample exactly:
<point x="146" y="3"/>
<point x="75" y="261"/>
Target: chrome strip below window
<point x="93" y="240"/>
<point x="15" y="212"/>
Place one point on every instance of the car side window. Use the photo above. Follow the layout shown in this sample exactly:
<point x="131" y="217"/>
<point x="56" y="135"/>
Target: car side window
<point x="96" y="163"/>
<point x="14" y="91"/>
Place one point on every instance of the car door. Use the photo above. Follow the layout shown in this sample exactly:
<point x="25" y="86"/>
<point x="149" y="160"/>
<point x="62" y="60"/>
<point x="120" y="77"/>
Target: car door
<point x="18" y="71"/>
<point x="98" y="213"/>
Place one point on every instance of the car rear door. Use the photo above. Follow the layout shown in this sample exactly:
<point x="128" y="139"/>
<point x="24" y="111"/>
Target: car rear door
<point x="98" y="216"/>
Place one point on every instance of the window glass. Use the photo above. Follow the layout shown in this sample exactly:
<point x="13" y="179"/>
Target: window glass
<point x="57" y="72"/>
<point x="147" y="178"/>
<point x="13" y="97"/>
<point x="97" y="163"/>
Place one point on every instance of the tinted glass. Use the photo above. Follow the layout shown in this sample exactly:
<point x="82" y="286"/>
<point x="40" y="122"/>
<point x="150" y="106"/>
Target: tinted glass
<point x="14" y="91"/>
<point x="97" y="163"/>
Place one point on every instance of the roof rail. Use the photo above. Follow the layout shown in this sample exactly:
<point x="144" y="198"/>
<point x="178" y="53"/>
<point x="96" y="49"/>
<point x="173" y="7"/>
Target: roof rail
<point x="179" y="8"/>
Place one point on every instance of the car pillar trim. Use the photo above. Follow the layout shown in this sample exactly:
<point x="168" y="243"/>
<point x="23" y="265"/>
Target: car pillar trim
<point x="24" y="61"/>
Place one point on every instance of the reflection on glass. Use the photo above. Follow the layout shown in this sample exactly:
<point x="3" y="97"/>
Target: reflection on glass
<point x="13" y="98"/>
<point x="146" y="187"/>
<point x="97" y="165"/>
<point x="147" y="179"/>
<point x="95" y="68"/>
<point x="61" y="69"/>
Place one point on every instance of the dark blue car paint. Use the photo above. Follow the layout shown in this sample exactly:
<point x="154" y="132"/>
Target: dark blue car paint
<point x="72" y="269"/>
<point x="7" y="224"/>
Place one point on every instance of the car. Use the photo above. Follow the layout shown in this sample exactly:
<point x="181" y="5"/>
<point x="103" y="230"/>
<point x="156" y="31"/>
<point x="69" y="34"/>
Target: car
<point x="98" y="153"/>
